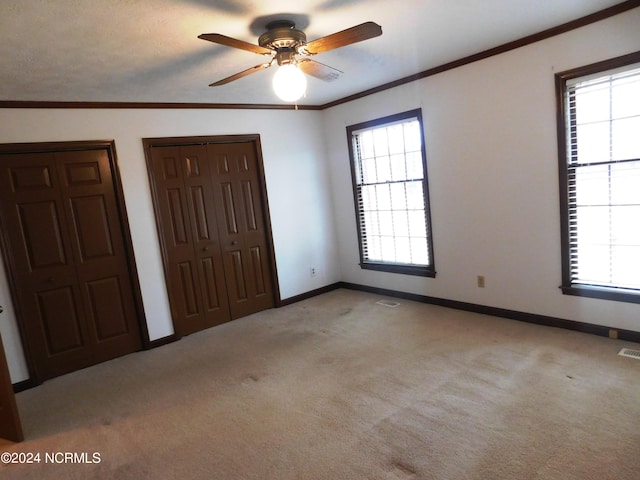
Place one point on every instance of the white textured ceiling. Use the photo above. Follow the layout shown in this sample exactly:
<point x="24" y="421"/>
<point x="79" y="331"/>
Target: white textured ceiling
<point x="148" y="50"/>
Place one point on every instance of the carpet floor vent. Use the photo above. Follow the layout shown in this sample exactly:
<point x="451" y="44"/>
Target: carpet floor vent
<point x="628" y="352"/>
<point x="387" y="303"/>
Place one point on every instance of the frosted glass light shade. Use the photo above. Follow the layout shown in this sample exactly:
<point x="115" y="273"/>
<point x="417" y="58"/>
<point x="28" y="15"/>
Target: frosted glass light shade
<point x="289" y="83"/>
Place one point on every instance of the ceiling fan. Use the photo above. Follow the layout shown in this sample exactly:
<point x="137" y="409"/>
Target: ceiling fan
<point x="285" y="44"/>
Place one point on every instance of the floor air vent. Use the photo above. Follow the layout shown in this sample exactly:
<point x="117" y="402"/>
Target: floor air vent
<point x="627" y="352"/>
<point x="387" y="303"/>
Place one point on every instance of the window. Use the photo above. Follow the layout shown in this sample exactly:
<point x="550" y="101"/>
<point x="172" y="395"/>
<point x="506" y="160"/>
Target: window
<point x="389" y="172"/>
<point x="599" y="151"/>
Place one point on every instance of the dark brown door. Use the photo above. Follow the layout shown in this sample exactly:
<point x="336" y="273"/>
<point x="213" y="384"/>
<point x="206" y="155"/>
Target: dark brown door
<point x="10" y="426"/>
<point x="195" y="275"/>
<point x="212" y="225"/>
<point x="67" y="253"/>
<point x="241" y="225"/>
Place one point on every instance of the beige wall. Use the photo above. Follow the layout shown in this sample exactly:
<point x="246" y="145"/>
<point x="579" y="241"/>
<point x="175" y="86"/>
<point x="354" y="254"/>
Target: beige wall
<point x="491" y="145"/>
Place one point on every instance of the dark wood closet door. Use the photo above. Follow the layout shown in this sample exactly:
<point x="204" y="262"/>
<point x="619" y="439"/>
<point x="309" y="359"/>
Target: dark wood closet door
<point x="241" y="226"/>
<point x="68" y="259"/>
<point x="211" y="220"/>
<point x="195" y="276"/>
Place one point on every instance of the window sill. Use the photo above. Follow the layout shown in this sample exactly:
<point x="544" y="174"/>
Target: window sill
<point x="603" y="293"/>
<point x="420" y="271"/>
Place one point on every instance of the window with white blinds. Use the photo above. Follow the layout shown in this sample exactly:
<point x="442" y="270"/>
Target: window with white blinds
<point x="390" y="190"/>
<point x="602" y="175"/>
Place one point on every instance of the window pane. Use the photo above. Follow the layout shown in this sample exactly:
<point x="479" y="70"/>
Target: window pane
<point x="380" y="144"/>
<point x="415" y="196"/>
<point x="626" y="145"/>
<point x="596" y="270"/>
<point x="401" y="224"/>
<point x="386" y="222"/>
<point x="592" y="185"/>
<point x="374" y="250"/>
<point x="396" y="139"/>
<point x="625" y="101"/>
<point x="366" y="145"/>
<point x="398" y="167"/>
<point x="625" y="266"/>
<point x="625" y="226"/>
<point x="387" y="249"/>
<point x="592" y="104"/>
<point x="593" y="226"/>
<point x="412" y="139"/>
<point x="398" y="196"/>
<point x="372" y="223"/>
<point x="417" y="224"/>
<point x="384" y="197"/>
<point x="625" y="184"/>
<point x="368" y="167"/>
<point x="593" y="142"/>
<point x="383" y="169"/>
<point x="420" y="251"/>
<point x="403" y="250"/>
<point x="414" y="166"/>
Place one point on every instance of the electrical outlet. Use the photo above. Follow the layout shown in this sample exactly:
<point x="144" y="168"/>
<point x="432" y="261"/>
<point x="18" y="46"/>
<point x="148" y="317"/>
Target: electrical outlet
<point x="480" y="281"/>
<point x="312" y="271"/>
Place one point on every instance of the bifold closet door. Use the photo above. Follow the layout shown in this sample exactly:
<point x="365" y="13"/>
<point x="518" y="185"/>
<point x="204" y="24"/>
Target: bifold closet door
<point x="68" y="259"/>
<point x="212" y="225"/>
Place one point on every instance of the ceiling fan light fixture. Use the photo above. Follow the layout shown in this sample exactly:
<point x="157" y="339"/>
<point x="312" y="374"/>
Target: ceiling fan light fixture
<point x="289" y="83"/>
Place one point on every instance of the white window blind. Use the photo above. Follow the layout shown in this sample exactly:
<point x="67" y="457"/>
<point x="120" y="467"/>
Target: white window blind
<point x="390" y="193"/>
<point x="603" y="172"/>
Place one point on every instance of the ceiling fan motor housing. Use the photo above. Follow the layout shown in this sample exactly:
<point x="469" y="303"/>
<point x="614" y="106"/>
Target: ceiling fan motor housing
<point x="284" y="38"/>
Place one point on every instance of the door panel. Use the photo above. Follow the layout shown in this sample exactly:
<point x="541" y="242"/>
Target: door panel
<point x="92" y="228"/>
<point x="68" y="260"/>
<point x="193" y="263"/>
<point x="107" y="309"/>
<point x="242" y="231"/>
<point x="59" y="320"/>
<point x="99" y="253"/>
<point x="258" y="267"/>
<point x="176" y="216"/>
<point x="42" y="238"/>
<point x="228" y="210"/>
<point x="187" y="281"/>
<point x="249" y="205"/>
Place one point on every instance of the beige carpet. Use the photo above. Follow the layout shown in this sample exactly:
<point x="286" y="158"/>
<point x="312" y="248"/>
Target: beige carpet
<point x="338" y="387"/>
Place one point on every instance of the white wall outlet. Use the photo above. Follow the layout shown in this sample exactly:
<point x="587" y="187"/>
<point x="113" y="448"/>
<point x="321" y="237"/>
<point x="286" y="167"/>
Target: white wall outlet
<point x="480" y="281"/>
<point x="312" y="271"/>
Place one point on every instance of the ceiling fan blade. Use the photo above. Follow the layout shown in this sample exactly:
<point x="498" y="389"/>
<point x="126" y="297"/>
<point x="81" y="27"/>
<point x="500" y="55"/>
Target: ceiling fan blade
<point x="351" y="35"/>
<point x="235" y="43"/>
<point x="319" y="70"/>
<point x="239" y="75"/>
